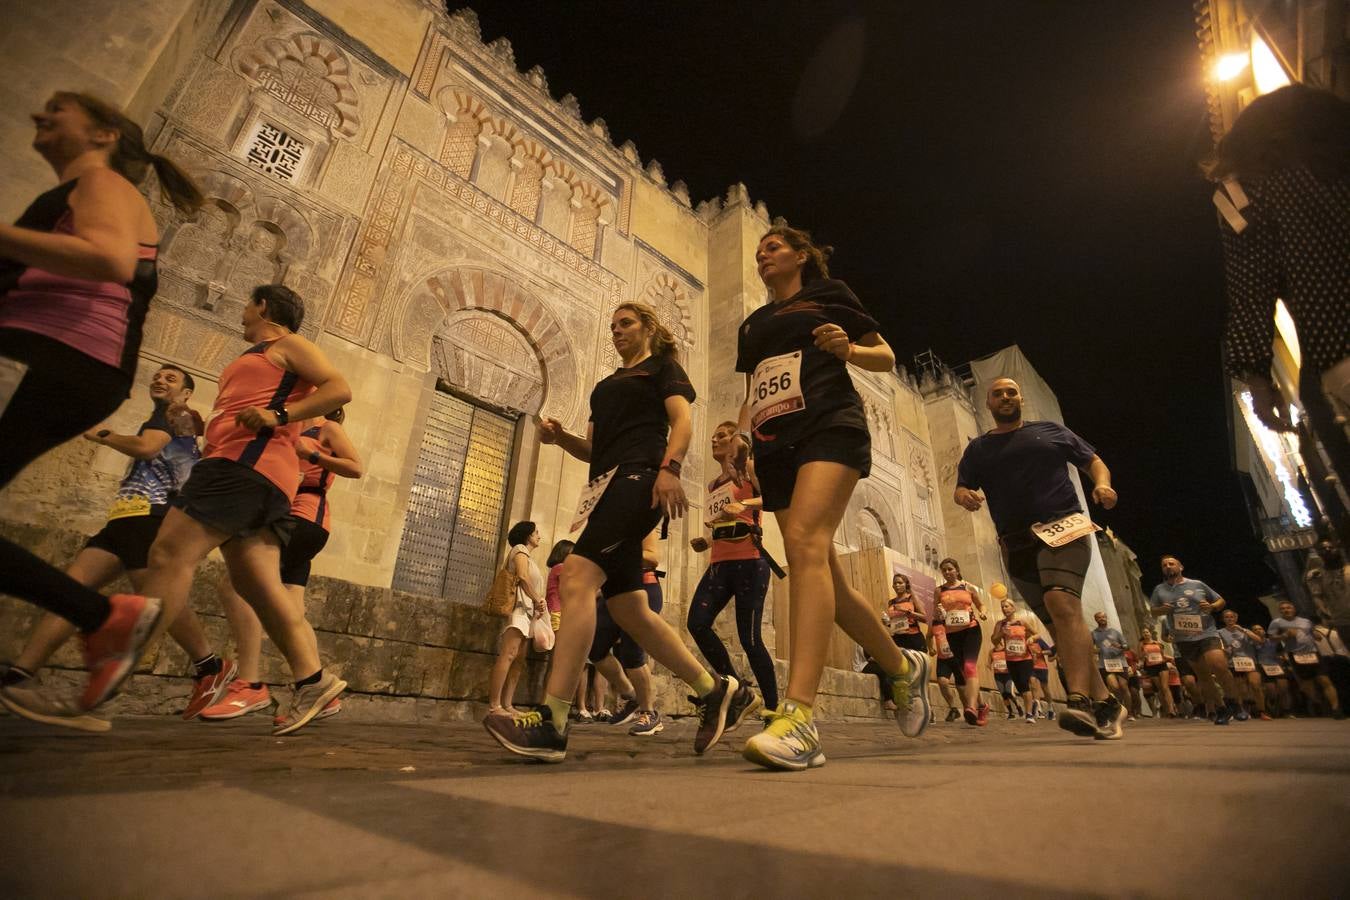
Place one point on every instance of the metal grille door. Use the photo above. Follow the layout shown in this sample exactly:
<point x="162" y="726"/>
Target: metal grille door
<point x="450" y="534"/>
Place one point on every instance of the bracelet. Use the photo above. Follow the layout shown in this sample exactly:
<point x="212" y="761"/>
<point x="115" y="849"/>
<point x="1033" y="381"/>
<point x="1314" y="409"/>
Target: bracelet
<point x="103" y="433"/>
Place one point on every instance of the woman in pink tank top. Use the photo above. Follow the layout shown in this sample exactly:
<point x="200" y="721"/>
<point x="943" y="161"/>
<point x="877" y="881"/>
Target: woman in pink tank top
<point x="77" y="272"/>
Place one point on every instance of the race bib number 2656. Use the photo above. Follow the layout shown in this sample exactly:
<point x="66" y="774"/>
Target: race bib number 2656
<point x="776" y="388"/>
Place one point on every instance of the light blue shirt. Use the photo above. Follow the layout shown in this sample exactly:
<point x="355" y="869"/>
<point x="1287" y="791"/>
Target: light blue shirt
<point x="1183" y="599"/>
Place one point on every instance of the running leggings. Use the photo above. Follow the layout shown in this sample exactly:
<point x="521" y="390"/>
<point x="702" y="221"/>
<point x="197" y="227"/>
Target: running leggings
<point x="748" y="581"/>
<point x="63" y="394"/>
<point x="965" y="646"/>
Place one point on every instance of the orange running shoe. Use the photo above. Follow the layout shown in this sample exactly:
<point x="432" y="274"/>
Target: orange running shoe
<point x="112" y="652"/>
<point x="240" y="699"/>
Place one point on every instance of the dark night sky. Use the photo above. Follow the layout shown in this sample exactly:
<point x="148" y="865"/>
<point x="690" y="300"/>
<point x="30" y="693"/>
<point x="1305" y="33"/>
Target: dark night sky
<point x="999" y="173"/>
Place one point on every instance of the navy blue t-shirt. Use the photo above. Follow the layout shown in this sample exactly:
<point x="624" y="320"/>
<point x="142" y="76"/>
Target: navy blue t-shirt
<point x="1022" y="473"/>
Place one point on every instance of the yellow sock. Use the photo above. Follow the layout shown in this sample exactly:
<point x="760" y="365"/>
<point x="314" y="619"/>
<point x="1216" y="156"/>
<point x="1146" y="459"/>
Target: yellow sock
<point x="806" y="709"/>
<point x="558" y="710"/>
<point x="703" y="685"/>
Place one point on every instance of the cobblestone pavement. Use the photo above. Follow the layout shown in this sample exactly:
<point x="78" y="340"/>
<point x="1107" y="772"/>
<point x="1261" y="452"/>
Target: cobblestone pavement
<point x="159" y="807"/>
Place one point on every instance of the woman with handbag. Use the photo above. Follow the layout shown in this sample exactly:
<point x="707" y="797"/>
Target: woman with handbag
<point x="529" y="604"/>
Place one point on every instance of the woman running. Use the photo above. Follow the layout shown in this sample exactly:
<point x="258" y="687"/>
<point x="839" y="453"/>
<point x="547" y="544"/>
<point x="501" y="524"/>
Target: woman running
<point x="998" y="663"/>
<point x="523" y="539"/>
<point x="1240" y="646"/>
<point x="77" y="272"/>
<point x="958" y="604"/>
<point x="1040" y="673"/>
<point x="324" y="450"/>
<point x="811" y="445"/>
<point x="638" y="435"/>
<point x="950" y="673"/>
<point x="738" y="568"/>
<point x="1155" y="667"/>
<point x="1013" y="635"/>
<point x="239" y="496"/>
<point x="903" y="616"/>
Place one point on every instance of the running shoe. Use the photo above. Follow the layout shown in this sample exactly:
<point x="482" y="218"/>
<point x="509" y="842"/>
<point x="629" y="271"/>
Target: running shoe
<point x="240" y="699"/>
<point x="112" y="652"/>
<point x="1265" y="717"/>
<point x="647" y="722"/>
<point x="972" y="716"/>
<point x="332" y="709"/>
<point x="952" y="714"/>
<point x="1031" y="720"/>
<point x="1241" y="714"/>
<point x="308" y="701"/>
<point x="1050" y="714"/>
<point x="208" y="689"/>
<point x="982" y="715"/>
<point x="712" y="713"/>
<point x="1110" y="716"/>
<point x="585" y="718"/>
<point x="744" y="704"/>
<point x="1078" y="716"/>
<point x="531" y="735"/>
<point x="1010" y="715"/>
<point x="625" y="713"/>
<point x="788" y="741"/>
<point x="910" y="693"/>
<point x="601" y="717"/>
<point x="1223" y="716"/>
<point x="50" y="709"/>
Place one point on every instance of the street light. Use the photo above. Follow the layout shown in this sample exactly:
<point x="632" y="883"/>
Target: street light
<point x="1230" y="66"/>
<point x="1267" y="72"/>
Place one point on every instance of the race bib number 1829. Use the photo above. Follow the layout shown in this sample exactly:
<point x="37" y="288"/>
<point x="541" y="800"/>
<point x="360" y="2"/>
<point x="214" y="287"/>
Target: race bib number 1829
<point x="718" y="501"/>
<point x="776" y="388"/>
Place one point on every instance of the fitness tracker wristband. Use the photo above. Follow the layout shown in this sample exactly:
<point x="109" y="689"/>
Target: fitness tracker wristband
<point x="672" y="466"/>
<point x="283" y="416"/>
<point x="314" y="458"/>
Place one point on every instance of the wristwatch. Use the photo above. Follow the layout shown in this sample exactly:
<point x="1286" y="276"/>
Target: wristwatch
<point x="314" y="458"/>
<point x="283" y="415"/>
<point x="672" y="466"/>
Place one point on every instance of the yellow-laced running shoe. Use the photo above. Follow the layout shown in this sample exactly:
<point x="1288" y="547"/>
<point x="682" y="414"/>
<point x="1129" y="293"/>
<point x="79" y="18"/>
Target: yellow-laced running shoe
<point x="531" y="734"/>
<point x="788" y="741"/>
<point x="910" y="693"/>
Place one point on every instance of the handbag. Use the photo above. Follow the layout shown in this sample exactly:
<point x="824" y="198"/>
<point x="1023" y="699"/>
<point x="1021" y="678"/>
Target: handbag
<point x="501" y="596"/>
<point x="541" y="632"/>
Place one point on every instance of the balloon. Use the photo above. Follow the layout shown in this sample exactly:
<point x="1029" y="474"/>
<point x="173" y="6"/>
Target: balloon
<point x="998" y="590"/>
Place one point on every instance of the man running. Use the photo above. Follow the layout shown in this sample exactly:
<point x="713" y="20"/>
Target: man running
<point x="1189" y="606"/>
<point x="1045" y="536"/>
<point x="163" y="451"/>
<point x="1240" y="646"/>
<point x="1310" y="670"/>
<point x="1111" y="648"/>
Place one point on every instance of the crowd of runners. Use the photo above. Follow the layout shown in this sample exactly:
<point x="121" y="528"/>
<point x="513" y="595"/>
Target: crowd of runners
<point x="77" y="273"/>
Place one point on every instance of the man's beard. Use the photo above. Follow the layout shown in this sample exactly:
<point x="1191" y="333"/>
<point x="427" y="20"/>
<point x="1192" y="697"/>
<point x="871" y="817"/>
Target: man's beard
<point x="1007" y="418"/>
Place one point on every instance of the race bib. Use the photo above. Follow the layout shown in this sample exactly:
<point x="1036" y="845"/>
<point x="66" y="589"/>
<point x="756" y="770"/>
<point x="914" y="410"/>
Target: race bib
<point x="1000" y="665"/>
<point x="776" y="388"/>
<point x="11" y="375"/>
<point x="1016" y="648"/>
<point x="126" y="507"/>
<point x="1153" y="658"/>
<point x="1244" y="664"/>
<point x="944" y="649"/>
<point x="1188" y="623"/>
<point x="1305" y="659"/>
<point x="958" y="618"/>
<point x="1114" y="665"/>
<point x="1062" y="531"/>
<point x="718" y="501"/>
<point x="1274" y="670"/>
<point x="590" y="497"/>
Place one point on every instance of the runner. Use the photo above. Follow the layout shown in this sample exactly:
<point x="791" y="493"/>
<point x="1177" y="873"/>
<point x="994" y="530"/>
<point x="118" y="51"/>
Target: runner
<point x="1132" y="682"/>
<point x="998" y="664"/>
<point x="738" y="568"/>
<point x="324" y="450"/>
<point x="162" y="451"/>
<point x="1013" y="634"/>
<point x="811" y="445"/>
<point x="1111" y="658"/>
<point x="1045" y="538"/>
<point x="635" y="444"/>
<point x="903" y="616"/>
<point x="1239" y="645"/>
<point x="77" y="272"/>
<point x="1189" y="606"/>
<point x="950" y="674"/>
<point x="958" y="605"/>
<point x="1274" y="674"/>
<point x="1310" y="670"/>
<point x="1155" y="667"/>
<point x="1040" y="670"/>
<point x="239" y="496"/>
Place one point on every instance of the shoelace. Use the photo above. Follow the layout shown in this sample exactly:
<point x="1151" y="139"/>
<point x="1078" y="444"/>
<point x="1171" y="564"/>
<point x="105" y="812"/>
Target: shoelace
<point x="529" y="720"/>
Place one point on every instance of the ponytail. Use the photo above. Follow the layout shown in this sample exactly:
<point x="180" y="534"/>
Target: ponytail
<point x="130" y="158"/>
<point x="663" y="340"/>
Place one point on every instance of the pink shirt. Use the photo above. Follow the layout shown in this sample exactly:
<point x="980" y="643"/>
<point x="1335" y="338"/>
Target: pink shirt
<point x="551" y="595"/>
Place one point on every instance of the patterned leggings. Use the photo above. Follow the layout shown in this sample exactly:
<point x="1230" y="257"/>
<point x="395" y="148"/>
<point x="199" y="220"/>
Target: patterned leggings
<point x="748" y="581"/>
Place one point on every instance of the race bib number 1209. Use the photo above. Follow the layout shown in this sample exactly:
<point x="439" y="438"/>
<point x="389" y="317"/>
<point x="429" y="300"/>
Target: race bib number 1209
<point x="776" y="388"/>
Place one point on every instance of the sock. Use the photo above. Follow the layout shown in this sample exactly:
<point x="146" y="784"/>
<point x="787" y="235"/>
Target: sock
<point x="256" y="685"/>
<point x="558" y="710"/>
<point x="704" y="684"/>
<point x="15" y="675"/>
<point x="209" y="664"/>
<point x="313" y="679"/>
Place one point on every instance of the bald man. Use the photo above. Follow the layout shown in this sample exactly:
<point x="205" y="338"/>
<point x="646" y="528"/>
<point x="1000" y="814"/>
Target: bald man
<point x="1045" y="536"/>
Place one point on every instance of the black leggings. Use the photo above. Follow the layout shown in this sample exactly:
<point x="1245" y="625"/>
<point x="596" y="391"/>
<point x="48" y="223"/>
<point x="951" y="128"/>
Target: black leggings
<point x="748" y="581"/>
<point x="63" y="394"/>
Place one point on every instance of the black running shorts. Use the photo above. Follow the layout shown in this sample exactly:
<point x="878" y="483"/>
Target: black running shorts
<point x="307" y="539"/>
<point x="233" y="498"/>
<point x="128" y="538"/>
<point x="1036" y="567"/>
<point x="1190" y="651"/>
<point x="612" y="538"/>
<point x="609" y="636"/>
<point x="777" y="471"/>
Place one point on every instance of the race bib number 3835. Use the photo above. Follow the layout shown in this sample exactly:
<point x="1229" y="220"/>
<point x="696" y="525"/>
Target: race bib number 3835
<point x="776" y="388"/>
<point x="1062" y="531"/>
